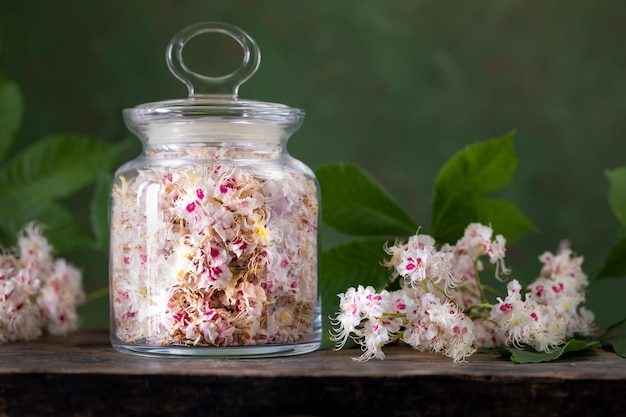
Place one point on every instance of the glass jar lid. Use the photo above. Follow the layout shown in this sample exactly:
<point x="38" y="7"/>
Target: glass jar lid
<point x="213" y="108"/>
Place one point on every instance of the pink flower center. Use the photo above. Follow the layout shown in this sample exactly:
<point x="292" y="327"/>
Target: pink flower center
<point x="458" y="330"/>
<point x="506" y="307"/>
<point x="557" y="288"/>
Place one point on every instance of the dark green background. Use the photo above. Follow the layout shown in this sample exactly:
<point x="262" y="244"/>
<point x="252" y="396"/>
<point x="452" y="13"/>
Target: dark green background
<point x="395" y="86"/>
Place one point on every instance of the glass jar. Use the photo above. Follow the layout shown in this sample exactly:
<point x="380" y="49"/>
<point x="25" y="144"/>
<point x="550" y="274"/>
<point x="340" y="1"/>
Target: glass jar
<point x="214" y="227"/>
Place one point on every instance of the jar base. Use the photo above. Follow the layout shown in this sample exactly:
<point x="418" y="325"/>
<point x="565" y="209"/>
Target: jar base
<point x="265" y="351"/>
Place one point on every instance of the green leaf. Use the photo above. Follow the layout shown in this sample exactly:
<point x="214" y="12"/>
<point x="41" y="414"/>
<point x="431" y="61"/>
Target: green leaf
<point x="619" y="345"/>
<point x="615" y="336"/>
<point x="13" y="217"/>
<point x="55" y="167"/>
<point x="345" y="266"/>
<point x="617" y="192"/>
<point x="99" y="210"/>
<point x="615" y="326"/>
<point x="614" y="264"/>
<point x="355" y="204"/>
<point x="478" y="169"/>
<point x="527" y="356"/>
<point x="462" y="183"/>
<point x="11" y="110"/>
<point x="504" y="217"/>
<point x="63" y="230"/>
<point x="60" y="227"/>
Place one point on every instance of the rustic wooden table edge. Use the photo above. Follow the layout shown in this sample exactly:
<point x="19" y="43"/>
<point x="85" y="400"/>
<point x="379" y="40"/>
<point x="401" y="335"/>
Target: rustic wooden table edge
<point x="81" y="374"/>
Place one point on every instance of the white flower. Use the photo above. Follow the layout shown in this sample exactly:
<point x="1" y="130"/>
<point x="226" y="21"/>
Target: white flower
<point x="477" y="242"/>
<point x="35" y="253"/>
<point x="487" y="334"/>
<point x="512" y="317"/>
<point x="438" y="326"/>
<point x="462" y="340"/>
<point x="528" y="323"/>
<point x="353" y="308"/>
<point x="375" y="336"/>
<point x="60" y="296"/>
<point x="562" y="264"/>
<point x="561" y="288"/>
<point x="421" y="263"/>
<point x="37" y="293"/>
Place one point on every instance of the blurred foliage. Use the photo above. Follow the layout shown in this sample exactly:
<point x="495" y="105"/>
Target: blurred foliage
<point x="389" y="86"/>
<point x="614" y="264"/>
<point x="34" y="181"/>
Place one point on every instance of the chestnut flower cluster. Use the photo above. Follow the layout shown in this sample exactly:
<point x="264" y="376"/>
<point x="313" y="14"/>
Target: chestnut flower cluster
<point x="441" y="304"/>
<point x="37" y="293"/>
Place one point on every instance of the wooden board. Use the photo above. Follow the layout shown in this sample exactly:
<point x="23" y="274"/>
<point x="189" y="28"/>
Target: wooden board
<point x="81" y="375"/>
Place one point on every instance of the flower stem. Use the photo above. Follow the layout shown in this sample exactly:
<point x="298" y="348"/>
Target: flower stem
<point x="483" y="299"/>
<point x="386" y="316"/>
<point x="483" y="305"/>
<point x="492" y="291"/>
<point x="470" y="291"/>
<point x="94" y="295"/>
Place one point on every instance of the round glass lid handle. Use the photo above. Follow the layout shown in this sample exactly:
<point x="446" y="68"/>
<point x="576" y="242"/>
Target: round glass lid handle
<point x="199" y="84"/>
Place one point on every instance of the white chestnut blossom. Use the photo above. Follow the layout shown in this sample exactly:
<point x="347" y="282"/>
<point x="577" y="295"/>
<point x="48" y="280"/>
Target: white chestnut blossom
<point x="476" y="242"/>
<point x="37" y="292"/>
<point x="441" y="306"/>
<point x="439" y="326"/>
<point x="421" y="264"/>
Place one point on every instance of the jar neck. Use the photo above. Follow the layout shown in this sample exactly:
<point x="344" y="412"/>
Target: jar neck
<point x="214" y="151"/>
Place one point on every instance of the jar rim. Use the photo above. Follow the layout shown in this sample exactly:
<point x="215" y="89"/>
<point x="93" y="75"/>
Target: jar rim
<point x="223" y="108"/>
<point x="200" y="119"/>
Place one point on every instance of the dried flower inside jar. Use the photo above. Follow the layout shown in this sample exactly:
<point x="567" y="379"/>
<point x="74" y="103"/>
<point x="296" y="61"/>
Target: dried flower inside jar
<point x="214" y="255"/>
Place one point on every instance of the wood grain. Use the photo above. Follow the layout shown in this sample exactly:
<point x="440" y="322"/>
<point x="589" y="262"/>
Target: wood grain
<point x="81" y="375"/>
